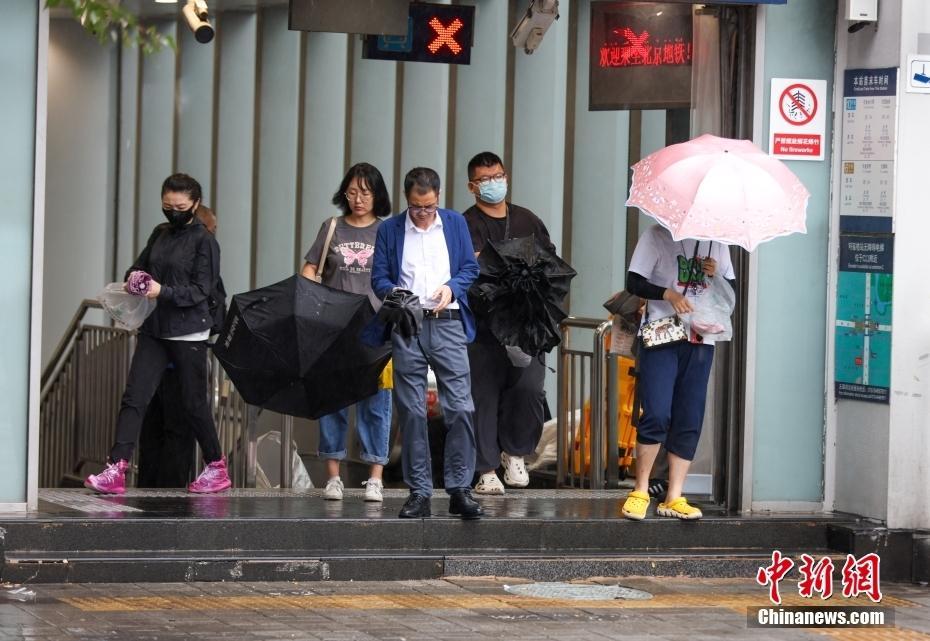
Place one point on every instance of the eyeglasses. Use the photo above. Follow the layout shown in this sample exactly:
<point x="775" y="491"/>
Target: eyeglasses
<point x="358" y="195"/>
<point x="420" y="211"/>
<point x="484" y="180"/>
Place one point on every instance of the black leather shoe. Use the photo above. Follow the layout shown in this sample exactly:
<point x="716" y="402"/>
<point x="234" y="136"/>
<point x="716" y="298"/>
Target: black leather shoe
<point x="464" y="505"/>
<point x="416" y="507"/>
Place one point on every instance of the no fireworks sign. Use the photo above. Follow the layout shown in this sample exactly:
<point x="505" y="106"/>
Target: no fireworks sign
<point x="798" y="118"/>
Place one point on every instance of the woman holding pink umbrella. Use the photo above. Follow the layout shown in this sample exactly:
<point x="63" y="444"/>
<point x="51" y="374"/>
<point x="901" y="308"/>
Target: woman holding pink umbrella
<point x="673" y="376"/>
<point x="706" y="193"/>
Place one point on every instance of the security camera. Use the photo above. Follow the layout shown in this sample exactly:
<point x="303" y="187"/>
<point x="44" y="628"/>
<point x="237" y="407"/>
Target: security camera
<point x="861" y="13"/>
<point x="197" y="17"/>
<point x="532" y="27"/>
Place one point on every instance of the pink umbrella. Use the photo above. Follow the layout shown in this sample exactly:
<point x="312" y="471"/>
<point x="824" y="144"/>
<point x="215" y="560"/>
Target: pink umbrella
<point x="720" y="189"/>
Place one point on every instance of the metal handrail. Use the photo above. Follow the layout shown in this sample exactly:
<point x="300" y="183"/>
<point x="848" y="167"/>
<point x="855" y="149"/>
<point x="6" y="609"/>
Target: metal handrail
<point x="585" y="375"/>
<point x="79" y="400"/>
<point x="74" y="328"/>
<point x="81" y="390"/>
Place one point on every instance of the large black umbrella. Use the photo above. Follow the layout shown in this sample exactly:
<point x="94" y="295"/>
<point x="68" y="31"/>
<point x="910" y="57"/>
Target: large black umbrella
<point x="520" y="291"/>
<point x="294" y="347"/>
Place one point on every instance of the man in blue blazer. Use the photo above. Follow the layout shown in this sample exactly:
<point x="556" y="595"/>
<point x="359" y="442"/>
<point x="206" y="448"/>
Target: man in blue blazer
<point x="428" y="251"/>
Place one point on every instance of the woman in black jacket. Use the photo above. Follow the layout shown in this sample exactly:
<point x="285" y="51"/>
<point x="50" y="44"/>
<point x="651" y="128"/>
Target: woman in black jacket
<point x="183" y="259"/>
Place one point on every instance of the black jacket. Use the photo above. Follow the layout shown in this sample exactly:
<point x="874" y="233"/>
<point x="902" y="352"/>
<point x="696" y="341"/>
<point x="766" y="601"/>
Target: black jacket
<point x="186" y="263"/>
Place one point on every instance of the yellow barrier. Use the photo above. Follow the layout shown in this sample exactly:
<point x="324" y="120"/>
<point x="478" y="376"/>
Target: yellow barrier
<point x="626" y="433"/>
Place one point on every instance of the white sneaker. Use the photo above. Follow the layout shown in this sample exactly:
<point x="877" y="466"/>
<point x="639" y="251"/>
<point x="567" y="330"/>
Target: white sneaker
<point x="374" y="490"/>
<point x="333" y="489"/>
<point x="515" y="474"/>
<point x="489" y="484"/>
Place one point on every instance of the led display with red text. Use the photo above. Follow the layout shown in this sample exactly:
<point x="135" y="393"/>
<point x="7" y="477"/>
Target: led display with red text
<point x="640" y="55"/>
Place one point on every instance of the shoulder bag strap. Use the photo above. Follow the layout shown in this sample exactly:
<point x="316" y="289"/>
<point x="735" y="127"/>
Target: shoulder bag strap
<point x="329" y="239"/>
<point x="507" y="223"/>
<point x="697" y="245"/>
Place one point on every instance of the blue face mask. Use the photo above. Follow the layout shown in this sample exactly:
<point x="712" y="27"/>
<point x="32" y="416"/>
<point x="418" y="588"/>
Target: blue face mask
<point x="493" y="191"/>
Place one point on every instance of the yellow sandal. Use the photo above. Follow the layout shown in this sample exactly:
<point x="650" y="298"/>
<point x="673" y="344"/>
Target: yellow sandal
<point x="636" y="505"/>
<point x="679" y="509"/>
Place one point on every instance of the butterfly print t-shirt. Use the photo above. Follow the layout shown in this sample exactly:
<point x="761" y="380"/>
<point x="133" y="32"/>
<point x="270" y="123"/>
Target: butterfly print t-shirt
<point x="348" y="261"/>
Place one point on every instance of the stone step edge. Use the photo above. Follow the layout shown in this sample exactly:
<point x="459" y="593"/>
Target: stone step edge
<point x="25" y="555"/>
<point x="361" y="568"/>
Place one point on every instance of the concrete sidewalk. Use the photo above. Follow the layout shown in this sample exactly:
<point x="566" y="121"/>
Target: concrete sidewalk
<point x="441" y="610"/>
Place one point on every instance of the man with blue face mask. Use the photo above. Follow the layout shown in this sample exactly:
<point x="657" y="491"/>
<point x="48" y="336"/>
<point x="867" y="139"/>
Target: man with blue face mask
<point x="506" y="385"/>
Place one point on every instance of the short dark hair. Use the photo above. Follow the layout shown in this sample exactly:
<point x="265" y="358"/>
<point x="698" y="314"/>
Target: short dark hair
<point x="369" y="178"/>
<point x="184" y="184"/>
<point x="423" y="179"/>
<point x="484" y="159"/>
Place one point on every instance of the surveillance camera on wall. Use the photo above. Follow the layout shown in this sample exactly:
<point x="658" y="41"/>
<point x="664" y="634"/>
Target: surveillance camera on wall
<point x="532" y="27"/>
<point x="197" y="17"/>
<point x="862" y="10"/>
<point x="861" y="13"/>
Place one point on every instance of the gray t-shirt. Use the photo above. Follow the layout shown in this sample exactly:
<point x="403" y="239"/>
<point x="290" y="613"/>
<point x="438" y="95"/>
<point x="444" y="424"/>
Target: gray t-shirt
<point x="348" y="261"/>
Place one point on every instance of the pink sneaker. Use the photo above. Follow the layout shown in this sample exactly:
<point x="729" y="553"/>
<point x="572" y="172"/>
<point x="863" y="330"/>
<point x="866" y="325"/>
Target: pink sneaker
<point x="213" y="479"/>
<point x="111" y="480"/>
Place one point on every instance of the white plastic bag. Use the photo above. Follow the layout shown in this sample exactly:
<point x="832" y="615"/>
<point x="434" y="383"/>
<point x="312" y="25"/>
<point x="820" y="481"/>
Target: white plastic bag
<point x="518" y="358"/>
<point x="127" y="310"/>
<point x="712" y="311"/>
<point x="268" y="468"/>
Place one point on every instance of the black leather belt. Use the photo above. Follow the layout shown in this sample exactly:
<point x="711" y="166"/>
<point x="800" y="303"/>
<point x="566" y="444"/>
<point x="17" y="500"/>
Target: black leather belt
<point x="446" y="314"/>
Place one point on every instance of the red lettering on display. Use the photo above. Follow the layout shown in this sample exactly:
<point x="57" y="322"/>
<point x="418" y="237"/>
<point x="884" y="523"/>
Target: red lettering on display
<point x="637" y="51"/>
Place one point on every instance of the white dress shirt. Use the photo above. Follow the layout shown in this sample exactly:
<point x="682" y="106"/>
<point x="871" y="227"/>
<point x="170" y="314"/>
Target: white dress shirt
<point x="424" y="267"/>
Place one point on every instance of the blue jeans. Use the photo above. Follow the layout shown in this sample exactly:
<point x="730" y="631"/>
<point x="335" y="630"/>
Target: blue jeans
<point x="373" y="425"/>
<point x="673" y="391"/>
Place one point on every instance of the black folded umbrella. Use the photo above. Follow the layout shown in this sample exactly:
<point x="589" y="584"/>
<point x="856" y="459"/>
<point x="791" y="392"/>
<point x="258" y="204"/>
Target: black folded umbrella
<point x="401" y="310"/>
<point x="294" y="347"/>
<point x="520" y="293"/>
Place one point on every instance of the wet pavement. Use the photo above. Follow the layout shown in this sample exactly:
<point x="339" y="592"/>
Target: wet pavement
<point x="440" y="610"/>
<point x="64" y="504"/>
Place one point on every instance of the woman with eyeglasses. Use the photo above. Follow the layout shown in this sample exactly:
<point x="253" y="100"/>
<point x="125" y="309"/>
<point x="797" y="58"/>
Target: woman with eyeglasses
<point x="346" y="265"/>
<point x="182" y="263"/>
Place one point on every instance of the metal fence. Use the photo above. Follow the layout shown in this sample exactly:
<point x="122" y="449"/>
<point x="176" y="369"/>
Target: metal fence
<point x="81" y="391"/>
<point x="79" y="399"/>
<point x="587" y="407"/>
<point x="236" y="423"/>
<point x="82" y="387"/>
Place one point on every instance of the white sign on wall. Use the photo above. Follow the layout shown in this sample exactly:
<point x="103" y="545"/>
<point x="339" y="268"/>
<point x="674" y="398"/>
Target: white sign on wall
<point x="798" y="119"/>
<point x="867" y="150"/>
<point x="918" y="73"/>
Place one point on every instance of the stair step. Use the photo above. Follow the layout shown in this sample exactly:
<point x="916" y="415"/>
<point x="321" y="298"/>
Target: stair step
<point x="281" y="535"/>
<point x="49" y="567"/>
<point x="434" y="535"/>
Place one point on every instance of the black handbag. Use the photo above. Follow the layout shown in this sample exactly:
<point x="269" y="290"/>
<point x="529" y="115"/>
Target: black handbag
<point x="626" y="307"/>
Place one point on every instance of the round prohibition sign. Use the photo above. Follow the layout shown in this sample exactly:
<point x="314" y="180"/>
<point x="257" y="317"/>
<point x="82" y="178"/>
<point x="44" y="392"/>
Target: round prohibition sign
<point x="797" y="111"/>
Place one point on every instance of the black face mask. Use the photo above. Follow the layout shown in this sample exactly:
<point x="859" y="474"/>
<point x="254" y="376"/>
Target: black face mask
<point x="178" y="219"/>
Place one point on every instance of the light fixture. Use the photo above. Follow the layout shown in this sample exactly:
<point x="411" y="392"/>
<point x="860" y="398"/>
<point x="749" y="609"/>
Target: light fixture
<point x="197" y="17"/>
<point x="166" y="1"/>
<point x="532" y="27"/>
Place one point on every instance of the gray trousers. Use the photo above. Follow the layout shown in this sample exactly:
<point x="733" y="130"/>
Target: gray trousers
<point x="443" y="341"/>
